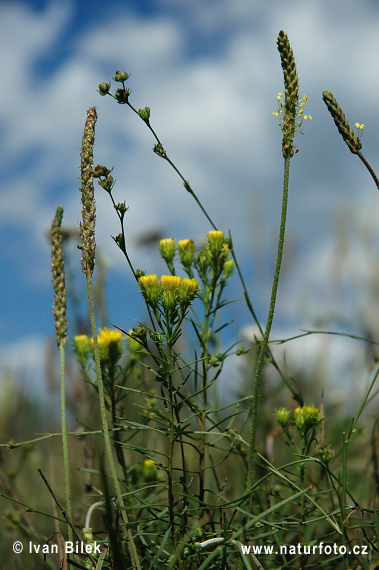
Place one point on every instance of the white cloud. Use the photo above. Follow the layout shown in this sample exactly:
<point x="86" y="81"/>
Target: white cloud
<point x="212" y="111"/>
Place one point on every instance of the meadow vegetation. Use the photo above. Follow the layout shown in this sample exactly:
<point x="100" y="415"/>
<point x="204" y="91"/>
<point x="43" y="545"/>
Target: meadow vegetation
<point x="148" y="465"/>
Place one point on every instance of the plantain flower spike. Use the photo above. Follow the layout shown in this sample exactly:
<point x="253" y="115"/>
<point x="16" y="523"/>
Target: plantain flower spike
<point x="87" y="226"/>
<point x="342" y="124"/>
<point x="57" y="267"/>
<point x="291" y="100"/>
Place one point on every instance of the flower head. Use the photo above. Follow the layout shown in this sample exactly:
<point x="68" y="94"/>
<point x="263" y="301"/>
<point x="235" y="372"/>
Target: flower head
<point x="215" y="242"/>
<point x="169" y="287"/>
<point x="186" y="250"/>
<point x="187" y="292"/>
<point x="283" y="417"/>
<point x="109" y="344"/>
<point x="342" y="124"/>
<point x="82" y="346"/>
<point x="306" y="418"/>
<point x="57" y="266"/>
<point x="149" y="286"/>
<point x="87" y="226"/>
<point x="167" y="249"/>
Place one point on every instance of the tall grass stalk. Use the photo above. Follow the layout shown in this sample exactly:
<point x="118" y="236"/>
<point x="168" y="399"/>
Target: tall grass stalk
<point x="264" y="344"/>
<point x="104" y="423"/>
<point x="66" y="462"/>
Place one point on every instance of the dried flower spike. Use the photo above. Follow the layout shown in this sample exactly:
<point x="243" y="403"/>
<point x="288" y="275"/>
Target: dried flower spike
<point x="57" y="266"/>
<point x="87" y="226"/>
<point x="291" y="100"/>
<point x="342" y="124"/>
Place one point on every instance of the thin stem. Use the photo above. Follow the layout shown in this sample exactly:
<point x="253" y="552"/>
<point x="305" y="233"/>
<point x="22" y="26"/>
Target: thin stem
<point x="185" y="182"/>
<point x="107" y="441"/>
<point x="264" y="345"/>
<point x="64" y="439"/>
<point x="369" y="168"/>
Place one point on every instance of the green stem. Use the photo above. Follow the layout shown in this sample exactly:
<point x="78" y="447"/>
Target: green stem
<point x="64" y="440"/>
<point x="369" y="168"/>
<point x="172" y="436"/>
<point x="104" y="423"/>
<point x="264" y="345"/>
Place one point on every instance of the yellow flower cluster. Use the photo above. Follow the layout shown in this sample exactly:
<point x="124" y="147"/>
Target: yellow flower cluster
<point x="170" y="290"/>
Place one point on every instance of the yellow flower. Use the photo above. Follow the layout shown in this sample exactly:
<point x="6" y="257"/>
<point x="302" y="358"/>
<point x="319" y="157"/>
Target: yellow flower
<point x="150" y="289"/>
<point x="170" y="282"/>
<point x="106" y="336"/>
<point x="186" y="249"/>
<point x="216" y="235"/>
<point x="149" y="470"/>
<point x="215" y="242"/>
<point x="82" y="343"/>
<point x="169" y="286"/>
<point x="167" y="249"/>
<point x="187" y="292"/>
<point x="148" y="281"/>
<point x="109" y="342"/>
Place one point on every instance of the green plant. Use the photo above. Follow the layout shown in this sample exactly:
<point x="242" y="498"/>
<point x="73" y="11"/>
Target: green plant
<point x="178" y="477"/>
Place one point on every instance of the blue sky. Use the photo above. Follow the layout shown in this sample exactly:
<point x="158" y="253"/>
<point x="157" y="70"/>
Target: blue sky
<point x="210" y="73"/>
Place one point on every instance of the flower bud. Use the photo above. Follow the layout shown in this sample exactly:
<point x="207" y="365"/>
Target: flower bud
<point x="215" y="241"/>
<point x="187" y="291"/>
<point x="149" y="471"/>
<point x="167" y="249"/>
<point x="104" y="88"/>
<point x="121" y="208"/>
<point x="306" y="418"/>
<point x="283" y="417"/>
<point x="228" y="267"/>
<point x="144" y="114"/>
<point x="169" y="287"/>
<point x="82" y="346"/>
<point x="150" y="289"/>
<point x="121" y="76"/>
<point x="186" y="250"/>
<point x="122" y="95"/>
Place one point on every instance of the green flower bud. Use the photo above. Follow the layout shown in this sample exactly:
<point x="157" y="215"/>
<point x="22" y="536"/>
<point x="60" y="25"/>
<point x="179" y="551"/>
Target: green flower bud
<point x="104" y="88"/>
<point x="121" y="76"/>
<point x="306" y="418"/>
<point x="228" y="267"/>
<point x="121" y="208"/>
<point x="144" y="114"/>
<point x="283" y="417"/>
<point x="122" y="95"/>
<point x="159" y="150"/>
<point x="324" y="453"/>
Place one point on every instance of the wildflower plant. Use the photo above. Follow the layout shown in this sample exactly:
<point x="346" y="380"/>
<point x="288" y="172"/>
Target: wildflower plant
<point x="184" y="478"/>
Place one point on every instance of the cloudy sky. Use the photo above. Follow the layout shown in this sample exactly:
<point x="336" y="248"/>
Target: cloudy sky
<point x="210" y="72"/>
